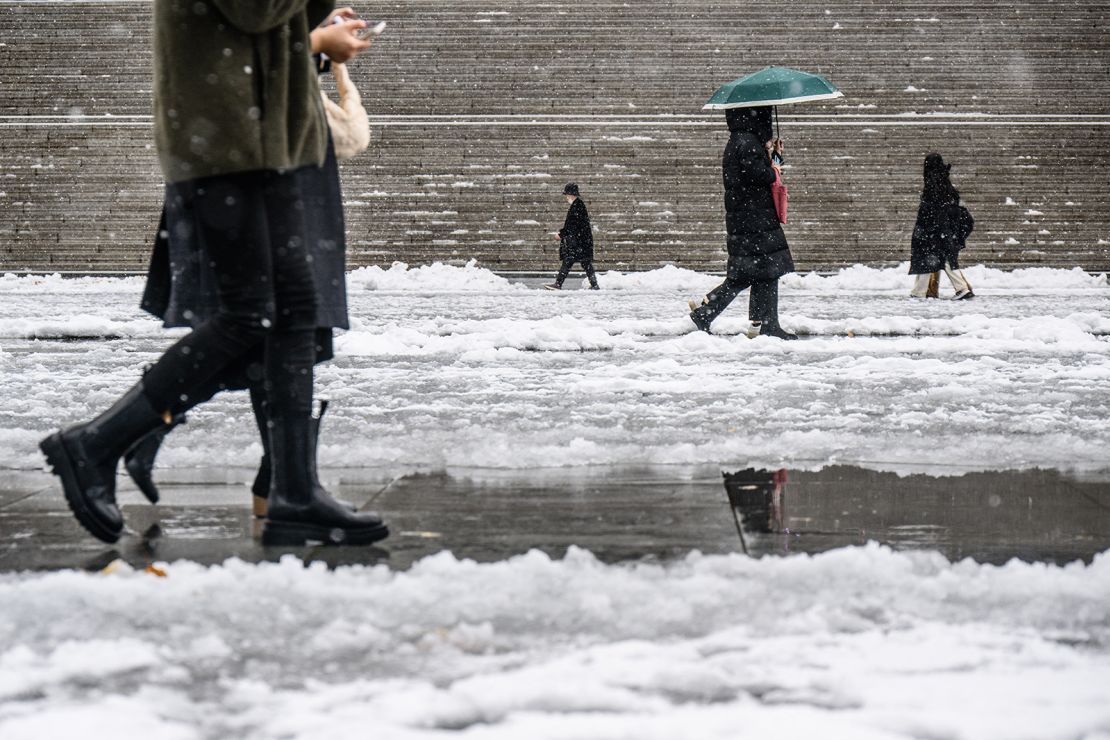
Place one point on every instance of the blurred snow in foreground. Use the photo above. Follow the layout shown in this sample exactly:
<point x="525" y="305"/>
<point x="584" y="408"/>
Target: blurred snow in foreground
<point x="854" y="643"/>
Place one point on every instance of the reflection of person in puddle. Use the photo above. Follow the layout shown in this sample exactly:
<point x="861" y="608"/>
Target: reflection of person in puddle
<point x="756" y="498"/>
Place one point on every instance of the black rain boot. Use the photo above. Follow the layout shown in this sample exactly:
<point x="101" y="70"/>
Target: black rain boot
<point x="85" y="457"/>
<point x="767" y="329"/>
<point x="299" y="509"/>
<point x="139" y="458"/>
<point x="701" y="319"/>
<point x="314" y="426"/>
<point x="260" y="489"/>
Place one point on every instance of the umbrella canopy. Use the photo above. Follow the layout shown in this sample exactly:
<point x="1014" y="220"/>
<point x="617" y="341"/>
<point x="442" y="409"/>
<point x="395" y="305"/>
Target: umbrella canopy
<point x="772" y="86"/>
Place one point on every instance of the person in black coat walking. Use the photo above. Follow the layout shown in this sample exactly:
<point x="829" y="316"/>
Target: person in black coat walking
<point x="576" y="240"/>
<point x="758" y="254"/>
<point x="941" y="231"/>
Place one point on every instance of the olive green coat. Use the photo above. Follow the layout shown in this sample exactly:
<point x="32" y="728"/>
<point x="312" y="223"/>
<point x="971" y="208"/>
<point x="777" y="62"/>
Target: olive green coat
<point x="235" y="86"/>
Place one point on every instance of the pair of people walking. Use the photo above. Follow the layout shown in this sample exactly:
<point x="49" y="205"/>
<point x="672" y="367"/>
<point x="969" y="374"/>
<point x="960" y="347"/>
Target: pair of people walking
<point x="241" y="136"/>
<point x="939" y="234"/>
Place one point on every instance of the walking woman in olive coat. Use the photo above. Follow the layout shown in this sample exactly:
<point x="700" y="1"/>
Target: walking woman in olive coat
<point x="237" y="112"/>
<point x="758" y="254"/>
<point x="576" y="240"/>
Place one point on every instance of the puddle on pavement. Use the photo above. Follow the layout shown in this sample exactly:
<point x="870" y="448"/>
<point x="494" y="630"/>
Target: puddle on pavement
<point x="620" y="514"/>
<point x="1036" y="515"/>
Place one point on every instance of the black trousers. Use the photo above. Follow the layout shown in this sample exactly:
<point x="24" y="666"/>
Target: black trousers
<point x="587" y="265"/>
<point x="763" y="300"/>
<point x="251" y="226"/>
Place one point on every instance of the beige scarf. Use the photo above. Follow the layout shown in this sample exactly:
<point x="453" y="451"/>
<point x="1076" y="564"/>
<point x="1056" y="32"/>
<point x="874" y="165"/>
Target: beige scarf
<point x="350" y="126"/>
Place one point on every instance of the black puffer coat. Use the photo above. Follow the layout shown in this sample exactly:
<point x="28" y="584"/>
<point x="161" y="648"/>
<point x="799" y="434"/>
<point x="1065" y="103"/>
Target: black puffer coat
<point x="757" y="248"/>
<point x="577" y="236"/>
<point x="939" y="232"/>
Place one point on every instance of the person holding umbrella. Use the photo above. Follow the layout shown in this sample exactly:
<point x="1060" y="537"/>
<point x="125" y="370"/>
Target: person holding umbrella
<point x="576" y="240"/>
<point x="758" y="254"/>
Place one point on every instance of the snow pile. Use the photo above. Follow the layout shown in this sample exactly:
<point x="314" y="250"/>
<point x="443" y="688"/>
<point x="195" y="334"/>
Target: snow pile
<point x="12" y="284"/>
<point x="437" y="277"/>
<point x="859" y="278"/>
<point x="983" y="279"/>
<point x="858" y="642"/>
<point x="668" y="278"/>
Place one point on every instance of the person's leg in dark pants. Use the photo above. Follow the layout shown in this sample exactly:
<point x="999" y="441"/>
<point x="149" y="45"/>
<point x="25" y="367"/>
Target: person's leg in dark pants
<point x="231" y="212"/>
<point x="588" y="266"/>
<point x="564" y="270"/>
<point x="298" y="508"/>
<point x="717" y="300"/>
<point x="763" y="303"/>
<point x="763" y="308"/>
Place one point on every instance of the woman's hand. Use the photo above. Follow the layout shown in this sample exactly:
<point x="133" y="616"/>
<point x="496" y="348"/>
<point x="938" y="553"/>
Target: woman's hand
<point x="347" y="14"/>
<point x="338" y="40"/>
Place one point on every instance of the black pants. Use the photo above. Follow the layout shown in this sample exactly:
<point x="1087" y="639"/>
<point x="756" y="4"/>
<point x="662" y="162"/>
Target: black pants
<point x="763" y="301"/>
<point x="251" y="226"/>
<point x="587" y="265"/>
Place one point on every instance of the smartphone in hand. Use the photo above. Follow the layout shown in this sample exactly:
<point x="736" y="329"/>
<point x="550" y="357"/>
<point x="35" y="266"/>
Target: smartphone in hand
<point x="371" y="31"/>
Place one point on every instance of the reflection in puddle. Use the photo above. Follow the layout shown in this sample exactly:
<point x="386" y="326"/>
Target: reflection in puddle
<point x="1036" y="515"/>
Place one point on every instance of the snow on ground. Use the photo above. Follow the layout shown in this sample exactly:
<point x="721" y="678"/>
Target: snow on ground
<point x="453" y="366"/>
<point x="448" y="366"/>
<point x="854" y="643"/>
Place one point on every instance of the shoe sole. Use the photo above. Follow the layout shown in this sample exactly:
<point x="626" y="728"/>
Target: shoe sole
<point x="62" y="465"/>
<point x="298" y="534"/>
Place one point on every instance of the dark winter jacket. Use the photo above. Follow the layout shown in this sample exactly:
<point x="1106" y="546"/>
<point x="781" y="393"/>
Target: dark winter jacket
<point x="235" y="86"/>
<point x="942" y="223"/>
<point x="577" y="236"/>
<point x="757" y="246"/>
<point x="181" y="288"/>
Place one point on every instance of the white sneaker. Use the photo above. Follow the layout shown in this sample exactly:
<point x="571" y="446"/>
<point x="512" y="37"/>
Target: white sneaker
<point x="963" y="295"/>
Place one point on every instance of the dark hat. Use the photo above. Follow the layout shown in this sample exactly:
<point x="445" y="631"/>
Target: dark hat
<point x="571" y="189"/>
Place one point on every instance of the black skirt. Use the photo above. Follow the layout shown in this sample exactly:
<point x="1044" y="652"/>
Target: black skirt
<point x="181" y="287"/>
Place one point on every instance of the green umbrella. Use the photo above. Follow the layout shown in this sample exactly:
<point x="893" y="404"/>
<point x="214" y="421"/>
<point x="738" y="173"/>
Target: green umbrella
<point x="772" y="86"/>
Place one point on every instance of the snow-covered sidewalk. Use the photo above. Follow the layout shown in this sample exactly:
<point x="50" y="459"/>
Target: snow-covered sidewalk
<point x="450" y="366"/>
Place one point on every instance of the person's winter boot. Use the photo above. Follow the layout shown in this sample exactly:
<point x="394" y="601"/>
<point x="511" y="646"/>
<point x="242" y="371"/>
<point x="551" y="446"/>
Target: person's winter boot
<point x="700" y="317"/>
<point x="139" y="458"/>
<point x="85" y="457"/>
<point x="553" y="286"/>
<point x="299" y="510"/>
<point x="260" y="489"/>
<point x="769" y="329"/>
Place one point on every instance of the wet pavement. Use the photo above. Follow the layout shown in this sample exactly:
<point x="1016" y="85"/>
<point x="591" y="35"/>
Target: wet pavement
<point x="619" y="514"/>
